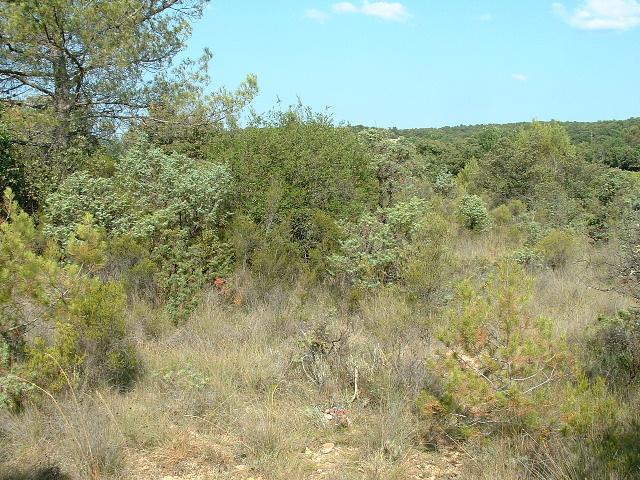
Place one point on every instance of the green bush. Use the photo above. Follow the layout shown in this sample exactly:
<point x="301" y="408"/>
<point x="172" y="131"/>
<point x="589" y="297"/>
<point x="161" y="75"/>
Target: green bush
<point x="613" y="349"/>
<point x="426" y="271"/>
<point x="80" y="194"/>
<point x="11" y="172"/>
<point x="497" y="365"/>
<point x="473" y="213"/>
<point x="129" y="261"/>
<point x="523" y="167"/>
<point x="172" y="205"/>
<point x="507" y="212"/>
<point x="444" y="182"/>
<point x="150" y="192"/>
<point x="373" y="248"/>
<point x="59" y="324"/>
<point x="528" y="258"/>
<point x="292" y="165"/>
<point x="601" y="431"/>
<point x="501" y="215"/>
<point x="557" y="248"/>
<point x="629" y="254"/>
<point x="396" y="164"/>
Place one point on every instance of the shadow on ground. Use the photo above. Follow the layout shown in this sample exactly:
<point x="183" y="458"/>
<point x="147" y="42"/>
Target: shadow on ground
<point x="42" y="473"/>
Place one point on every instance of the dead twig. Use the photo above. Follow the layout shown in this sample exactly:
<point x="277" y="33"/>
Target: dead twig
<point x="355" y="386"/>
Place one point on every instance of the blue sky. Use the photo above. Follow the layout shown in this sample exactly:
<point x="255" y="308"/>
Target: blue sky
<point x="428" y="63"/>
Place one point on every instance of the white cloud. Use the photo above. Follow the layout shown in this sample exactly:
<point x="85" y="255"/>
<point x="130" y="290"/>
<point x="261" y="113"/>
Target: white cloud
<point x="393" y="11"/>
<point x="344" y="7"/>
<point x="485" y="17"/>
<point x="602" y="14"/>
<point x="390" y="11"/>
<point x="520" y="77"/>
<point x="317" y="15"/>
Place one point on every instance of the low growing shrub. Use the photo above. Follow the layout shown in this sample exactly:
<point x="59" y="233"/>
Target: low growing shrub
<point x="473" y="213"/>
<point x="557" y="248"/>
<point x="60" y="324"/>
<point x="613" y="349"/>
<point x="172" y="205"/>
<point x="497" y="364"/>
<point x="373" y="248"/>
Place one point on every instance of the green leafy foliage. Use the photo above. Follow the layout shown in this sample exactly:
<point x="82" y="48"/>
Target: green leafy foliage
<point x="293" y="166"/>
<point x="558" y="248"/>
<point x="374" y="247"/>
<point x="497" y="363"/>
<point x="149" y="192"/>
<point x="613" y="349"/>
<point x="80" y="194"/>
<point x="11" y="174"/>
<point x="613" y="143"/>
<point x="395" y="162"/>
<point x="524" y="167"/>
<point x="528" y="258"/>
<point x="171" y="203"/>
<point x="473" y="213"/>
<point x="429" y="260"/>
<point x="61" y="325"/>
<point x="96" y="74"/>
<point x="630" y="248"/>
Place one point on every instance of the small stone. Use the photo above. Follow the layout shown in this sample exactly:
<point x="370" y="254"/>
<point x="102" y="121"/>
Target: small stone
<point x="328" y="416"/>
<point x="327" y="448"/>
<point x="308" y="452"/>
<point x="241" y="468"/>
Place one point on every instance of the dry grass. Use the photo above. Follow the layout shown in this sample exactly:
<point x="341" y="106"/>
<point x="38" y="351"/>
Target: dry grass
<point x="77" y="436"/>
<point x="240" y="390"/>
<point x="572" y="299"/>
<point x="245" y="374"/>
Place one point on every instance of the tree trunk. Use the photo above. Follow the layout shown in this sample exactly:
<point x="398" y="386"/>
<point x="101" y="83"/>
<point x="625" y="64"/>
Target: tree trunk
<point x="62" y="105"/>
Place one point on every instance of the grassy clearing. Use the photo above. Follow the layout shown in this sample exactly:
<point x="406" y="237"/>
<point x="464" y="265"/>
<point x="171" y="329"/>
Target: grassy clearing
<point x="241" y="389"/>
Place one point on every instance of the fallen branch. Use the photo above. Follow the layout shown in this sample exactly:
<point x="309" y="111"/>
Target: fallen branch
<point x="355" y="386"/>
<point x="549" y="379"/>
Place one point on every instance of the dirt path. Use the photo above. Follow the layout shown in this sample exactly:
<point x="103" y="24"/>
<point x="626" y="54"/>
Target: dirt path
<point x="192" y="457"/>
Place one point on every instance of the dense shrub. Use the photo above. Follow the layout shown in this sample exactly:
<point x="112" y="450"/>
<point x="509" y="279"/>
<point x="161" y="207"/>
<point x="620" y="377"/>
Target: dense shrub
<point x="173" y="205"/>
<point x="429" y="260"/>
<point x="80" y="194"/>
<point x="528" y="258"/>
<point x="473" y="213"/>
<point x="374" y="247"/>
<point x="630" y="247"/>
<point x="497" y="363"/>
<point x="506" y="213"/>
<point x="557" y="248"/>
<point x="613" y="349"/>
<point x="271" y="254"/>
<point x="444" y="182"/>
<point x="59" y="323"/>
<point x="11" y="172"/>
<point x="395" y="162"/>
<point x="150" y="192"/>
<point x="523" y="167"/>
<point x="294" y="165"/>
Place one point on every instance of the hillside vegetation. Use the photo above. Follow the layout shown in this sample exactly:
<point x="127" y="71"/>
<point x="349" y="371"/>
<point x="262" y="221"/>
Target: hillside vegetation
<point x="615" y="143"/>
<point x="187" y="296"/>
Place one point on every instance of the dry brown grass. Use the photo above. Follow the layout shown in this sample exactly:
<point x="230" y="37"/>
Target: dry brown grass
<point x="573" y="299"/>
<point x="240" y="390"/>
<point x="79" y="437"/>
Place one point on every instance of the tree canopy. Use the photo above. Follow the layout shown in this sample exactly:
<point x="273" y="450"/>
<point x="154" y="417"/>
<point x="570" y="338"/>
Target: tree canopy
<point x="88" y="62"/>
